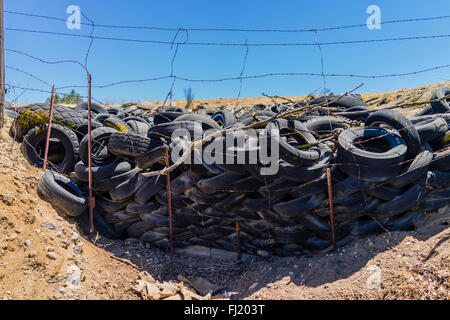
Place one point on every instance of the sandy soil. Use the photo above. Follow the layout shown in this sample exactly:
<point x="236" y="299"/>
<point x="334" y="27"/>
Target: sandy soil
<point x="45" y="256"/>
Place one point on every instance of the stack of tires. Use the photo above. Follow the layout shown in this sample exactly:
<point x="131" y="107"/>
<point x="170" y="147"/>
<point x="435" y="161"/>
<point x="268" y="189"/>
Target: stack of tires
<point x="387" y="172"/>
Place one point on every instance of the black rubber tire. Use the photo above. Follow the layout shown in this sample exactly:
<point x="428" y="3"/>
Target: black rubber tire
<point x="432" y="204"/>
<point x="184" y="181"/>
<point x="170" y="109"/>
<point x="9" y="110"/>
<point x="216" y="183"/>
<point x="310" y="188"/>
<point x="414" y="169"/>
<point x="326" y="124"/>
<point x="116" y="123"/>
<point x="441" y="160"/>
<point x="418" y="119"/>
<point x="426" y="111"/>
<point x="440" y="106"/>
<point x="224" y="118"/>
<point x="130" y="145"/>
<point x="278" y="190"/>
<point x="100" y="137"/>
<point x="440" y="193"/>
<point x="437" y="179"/>
<point x="126" y="189"/>
<point x="244" y="185"/>
<point x="107" y="184"/>
<point x="204" y="120"/>
<point x="305" y="174"/>
<point x="82" y="130"/>
<point x="357" y="113"/>
<point x="130" y="108"/>
<point x="431" y="129"/>
<point x="137" y="229"/>
<point x="149" y="189"/>
<point x="401" y="124"/>
<point x="33" y="147"/>
<point x="116" y="112"/>
<point x="109" y="206"/>
<point x="165" y="130"/>
<point x="401" y="203"/>
<point x="64" y="195"/>
<point x="137" y="209"/>
<point x="101" y="226"/>
<point x="349" y="186"/>
<point x="406" y="221"/>
<point x="178" y="201"/>
<point x="101" y="172"/>
<point x="368" y="165"/>
<point x="252" y="120"/>
<point x="101" y="117"/>
<point x="384" y="192"/>
<point x="198" y="196"/>
<point x="138" y="127"/>
<point x="232" y="201"/>
<point x="167" y="116"/>
<point x="95" y="108"/>
<point x="155" y="155"/>
<point x="293" y="208"/>
<point x="135" y="118"/>
<point x="234" y="169"/>
<point x="344" y="102"/>
<point x="37" y="114"/>
<point x="297" y="157"/>
<point x="364" y="227"/>
<point x="441" y="142"/>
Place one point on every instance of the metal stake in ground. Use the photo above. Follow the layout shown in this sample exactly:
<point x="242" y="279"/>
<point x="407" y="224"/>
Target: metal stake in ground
<point x="330" y="201"/>
<point x="169" y="202"/>
<point x="2" y="68"/>
<point x="91" y="198"/>
<point x="238" y="240"/>
<point x="49" y="128"/>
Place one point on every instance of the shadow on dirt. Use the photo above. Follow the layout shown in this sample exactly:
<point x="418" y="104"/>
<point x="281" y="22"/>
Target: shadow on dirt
<point x="243" y="278"/>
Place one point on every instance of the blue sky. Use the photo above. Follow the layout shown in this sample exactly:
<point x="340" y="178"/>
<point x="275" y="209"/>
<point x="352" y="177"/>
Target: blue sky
<point x="111" y="61"/>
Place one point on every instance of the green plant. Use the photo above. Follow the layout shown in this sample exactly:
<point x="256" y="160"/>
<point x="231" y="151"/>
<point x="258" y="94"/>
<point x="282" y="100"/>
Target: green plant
<point x="71" y="98"/>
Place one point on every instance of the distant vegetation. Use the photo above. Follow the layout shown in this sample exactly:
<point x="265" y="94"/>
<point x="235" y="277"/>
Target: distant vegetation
<point x="71" y="98"/>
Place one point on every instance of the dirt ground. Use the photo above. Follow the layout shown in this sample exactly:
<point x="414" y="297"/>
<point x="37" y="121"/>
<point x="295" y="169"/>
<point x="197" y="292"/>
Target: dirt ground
<point x="45" y="256"/>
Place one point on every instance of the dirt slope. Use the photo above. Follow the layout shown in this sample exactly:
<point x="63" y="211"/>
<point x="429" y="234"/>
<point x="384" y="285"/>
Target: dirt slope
<point x="44" y="256"/>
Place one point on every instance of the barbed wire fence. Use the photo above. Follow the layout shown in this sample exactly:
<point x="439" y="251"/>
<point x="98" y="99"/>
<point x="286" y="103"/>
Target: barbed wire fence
<point x="176" y="45"/>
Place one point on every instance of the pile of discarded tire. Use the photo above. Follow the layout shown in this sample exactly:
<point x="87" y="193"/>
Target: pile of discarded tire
<point x="387" y="172"/>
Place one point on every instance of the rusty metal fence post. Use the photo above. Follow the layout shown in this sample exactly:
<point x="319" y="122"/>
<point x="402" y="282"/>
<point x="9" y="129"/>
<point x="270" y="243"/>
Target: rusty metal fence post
<point x="330" y="201"/>
<point x="2" y="68"/>
<point x="238" y="240"/>
<point x="91" y="198"/>
<point x="49" y="128"/>
<point x="169" y="202"/>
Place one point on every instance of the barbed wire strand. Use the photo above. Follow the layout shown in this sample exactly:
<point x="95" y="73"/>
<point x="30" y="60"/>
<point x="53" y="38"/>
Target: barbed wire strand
<point x="48" y="62"/>
<point x="241" y="74"/>
<point x="235" y="29"/>
<point x="172" y="64"/>
<point x="231" y="44"/>
<point x="91" y="36"/>
<point x="288" y="74"/>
